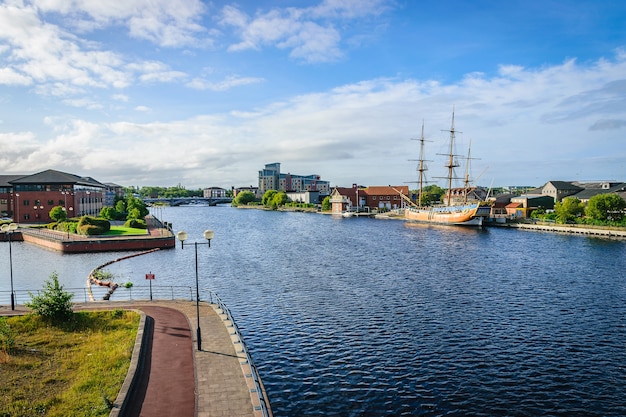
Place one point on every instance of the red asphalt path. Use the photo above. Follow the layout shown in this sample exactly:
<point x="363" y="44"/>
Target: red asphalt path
<point x="167" y="386"/>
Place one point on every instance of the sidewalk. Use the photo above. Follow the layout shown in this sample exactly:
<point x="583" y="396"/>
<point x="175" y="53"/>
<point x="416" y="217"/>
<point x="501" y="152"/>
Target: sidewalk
<point x="174" y="371"/>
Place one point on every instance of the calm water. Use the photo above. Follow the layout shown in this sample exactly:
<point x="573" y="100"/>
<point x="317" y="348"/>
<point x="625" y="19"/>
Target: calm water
<point x="362" y="317"/>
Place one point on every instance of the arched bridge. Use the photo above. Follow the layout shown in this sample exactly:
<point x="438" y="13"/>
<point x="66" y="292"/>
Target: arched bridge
<point x="179" y="201"/>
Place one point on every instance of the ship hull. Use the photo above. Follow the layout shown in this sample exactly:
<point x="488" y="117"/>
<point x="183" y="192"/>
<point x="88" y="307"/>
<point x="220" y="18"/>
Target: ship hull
<point x="466" y="215"/>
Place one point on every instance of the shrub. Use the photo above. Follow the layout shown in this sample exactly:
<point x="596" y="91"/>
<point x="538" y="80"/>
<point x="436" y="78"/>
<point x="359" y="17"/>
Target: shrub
<point x="54" y="304"/>
<point x="136" y="223"/>
<point x="7" y="336"/>
<point x="90" y="226"/>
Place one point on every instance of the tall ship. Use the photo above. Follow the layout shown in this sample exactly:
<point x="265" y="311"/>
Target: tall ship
<point x="457" y="210"/>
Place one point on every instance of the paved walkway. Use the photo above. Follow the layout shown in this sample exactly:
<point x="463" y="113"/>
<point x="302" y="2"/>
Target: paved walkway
<point x="221" y="384"/>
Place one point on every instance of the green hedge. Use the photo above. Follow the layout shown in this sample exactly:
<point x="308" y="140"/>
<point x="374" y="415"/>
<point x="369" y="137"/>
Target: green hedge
<point x="136" y="224"/>
<point x="90" y="226"/>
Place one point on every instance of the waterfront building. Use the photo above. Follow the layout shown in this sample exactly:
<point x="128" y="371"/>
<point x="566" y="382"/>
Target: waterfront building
<point x="385" y="197"/>
<point x="307" y="197"/>
<point x="464" y="195"/>
<point x="558" y="190"/>
<point x="254" y="190"/>
<point x="214" y="192"/>
<point x="270" y="178"/>
<point x="6" y="194"/>
<point x="111" y="193"/>
<point x="33" y="196"/>
<point x="523" y="205"/>
<point x="359" y="198"/>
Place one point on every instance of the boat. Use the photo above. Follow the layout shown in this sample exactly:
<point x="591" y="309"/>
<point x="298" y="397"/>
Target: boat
<point x="452" y="213"/>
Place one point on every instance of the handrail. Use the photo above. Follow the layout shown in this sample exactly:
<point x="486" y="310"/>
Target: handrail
<point x="258" y="384"/>
<point x="161" y="292"/>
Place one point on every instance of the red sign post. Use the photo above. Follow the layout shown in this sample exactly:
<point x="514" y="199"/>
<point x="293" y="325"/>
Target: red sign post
<point x="150" y="278"/>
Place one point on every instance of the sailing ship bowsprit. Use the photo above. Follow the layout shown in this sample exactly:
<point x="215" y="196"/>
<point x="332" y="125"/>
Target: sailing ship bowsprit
<point x="453" y="212"/>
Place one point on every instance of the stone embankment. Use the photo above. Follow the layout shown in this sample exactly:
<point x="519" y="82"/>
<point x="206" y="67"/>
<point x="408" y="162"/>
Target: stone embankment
<point x="571" y="229"/>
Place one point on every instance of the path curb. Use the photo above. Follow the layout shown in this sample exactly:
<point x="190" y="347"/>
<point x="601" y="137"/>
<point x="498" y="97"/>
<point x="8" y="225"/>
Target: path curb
<point x="137" y="361"/>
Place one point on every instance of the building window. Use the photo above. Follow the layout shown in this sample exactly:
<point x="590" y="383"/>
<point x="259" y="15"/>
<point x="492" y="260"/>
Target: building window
<point x="373" y="197"/>
<point x="26" y="202"/>
<point x="62" y="203"/>
<point x="50" y="202"/>
<point x="387" y="197"/>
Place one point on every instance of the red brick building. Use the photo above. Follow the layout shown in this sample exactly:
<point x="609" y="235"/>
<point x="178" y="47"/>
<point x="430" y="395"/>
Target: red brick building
<point x="30" y="198"/>
<point x="369" y="198"/>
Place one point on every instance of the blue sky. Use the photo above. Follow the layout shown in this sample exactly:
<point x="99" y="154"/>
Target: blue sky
<point x="206" y="93"/>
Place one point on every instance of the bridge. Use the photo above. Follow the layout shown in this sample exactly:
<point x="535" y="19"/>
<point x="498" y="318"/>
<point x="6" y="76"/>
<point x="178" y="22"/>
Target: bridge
<point x="179" y="201"/>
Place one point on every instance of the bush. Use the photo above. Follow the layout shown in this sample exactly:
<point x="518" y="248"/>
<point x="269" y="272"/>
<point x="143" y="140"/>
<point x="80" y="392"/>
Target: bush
<point x="243" y="198"/>
<point x="90" y="226"/>
<point x="54" y="304"/>
<point x="136" y="224"/>
<point x="7" y="336"/>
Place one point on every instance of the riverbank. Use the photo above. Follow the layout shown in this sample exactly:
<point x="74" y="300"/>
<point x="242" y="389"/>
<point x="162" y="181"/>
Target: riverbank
<point x="568" y="229"/>
<point x="157" y="237"/>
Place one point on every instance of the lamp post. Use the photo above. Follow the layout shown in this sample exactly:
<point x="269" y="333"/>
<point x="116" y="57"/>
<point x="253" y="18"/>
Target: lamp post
<point x="208" y="235"/>
<point x="9" y="229"/>
<point x="17" y="207"/>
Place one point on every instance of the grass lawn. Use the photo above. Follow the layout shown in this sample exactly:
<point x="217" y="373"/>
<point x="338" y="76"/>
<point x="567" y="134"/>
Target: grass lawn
<point x="76" y="370"/>
<point x="121" y="230"/>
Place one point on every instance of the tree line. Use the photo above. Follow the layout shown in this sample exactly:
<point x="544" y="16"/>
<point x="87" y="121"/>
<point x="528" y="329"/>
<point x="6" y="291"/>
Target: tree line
<point x="600" y="210"/>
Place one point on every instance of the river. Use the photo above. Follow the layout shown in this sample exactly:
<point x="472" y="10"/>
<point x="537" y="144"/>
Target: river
<point x="364" y="317"/>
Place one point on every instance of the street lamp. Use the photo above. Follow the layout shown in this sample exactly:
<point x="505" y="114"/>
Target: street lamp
<point x="208" y="235"/>
<point x="9" y="229"/>
<point x="17" y="207"/>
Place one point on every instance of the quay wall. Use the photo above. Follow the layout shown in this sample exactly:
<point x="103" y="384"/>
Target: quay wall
<point x="102" y="244"/>
<point x="574" y="230"/>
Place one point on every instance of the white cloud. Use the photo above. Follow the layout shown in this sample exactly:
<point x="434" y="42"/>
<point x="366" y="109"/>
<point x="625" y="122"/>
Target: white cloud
<point x="8" y="76"/>
<point x="84" y="103"/>
<point x="45" y="53"/>
<point x="120" y="97"/>
<point x="164" y="22"/>
<point x="226" y="84"/>
<point x="308" y="32"/>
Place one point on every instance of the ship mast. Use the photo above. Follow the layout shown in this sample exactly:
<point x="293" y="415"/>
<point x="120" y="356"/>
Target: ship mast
<point x="421" y="168"/>
<point x="451" y="161"/>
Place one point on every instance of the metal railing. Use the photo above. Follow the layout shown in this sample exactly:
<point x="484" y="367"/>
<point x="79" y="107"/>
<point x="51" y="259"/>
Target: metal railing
<point x="120" y="294"/>
<point x="258" y="385"/>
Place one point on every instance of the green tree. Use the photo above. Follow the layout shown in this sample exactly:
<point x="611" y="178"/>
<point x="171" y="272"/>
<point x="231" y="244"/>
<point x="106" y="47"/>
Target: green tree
<point x="58" y="214"/>
<point x="431" y="194"/>
<point x="136" y="208"/>
<point x="279" y="199"/>
<point x="109" y="213"/>
<point x="243" y="198"/>
<point x="606" y="207"/>
<point x="267" y="197"/>
<point x="120" y="206"/>
<point x="569" y="209"/>
<point x="53" y="304"/>
<point x="326" y="204"/>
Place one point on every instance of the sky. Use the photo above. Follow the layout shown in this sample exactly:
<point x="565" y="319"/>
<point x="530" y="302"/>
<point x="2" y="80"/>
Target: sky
<point x="205" y="93"/>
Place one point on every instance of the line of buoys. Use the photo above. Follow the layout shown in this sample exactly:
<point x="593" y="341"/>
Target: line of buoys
<point x="91" y="279"/>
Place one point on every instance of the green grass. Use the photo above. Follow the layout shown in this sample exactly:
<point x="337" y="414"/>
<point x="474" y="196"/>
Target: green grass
<point x="77" y="370"/>
<point x="125" y="231"/>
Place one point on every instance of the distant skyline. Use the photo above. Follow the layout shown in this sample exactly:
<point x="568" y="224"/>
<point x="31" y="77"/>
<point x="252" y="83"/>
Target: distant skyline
<point x="203" y="94"/>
